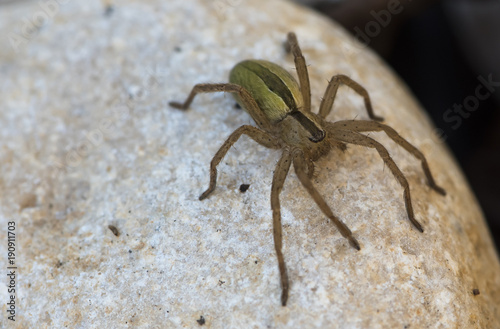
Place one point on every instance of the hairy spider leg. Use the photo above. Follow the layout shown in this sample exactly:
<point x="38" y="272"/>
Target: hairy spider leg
<point x="279" y="177"/>
<point x="260" y="136"/>
<point x="349" y="136"/>
<point x="300" y="166"/>
<point x="301" y="67"/>
<point x="331" y="91"/>
<point x="363" y="125"/>
<point x="250" y="105"/>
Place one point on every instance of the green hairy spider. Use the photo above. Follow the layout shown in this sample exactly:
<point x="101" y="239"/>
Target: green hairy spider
<point x="281" y="108"/>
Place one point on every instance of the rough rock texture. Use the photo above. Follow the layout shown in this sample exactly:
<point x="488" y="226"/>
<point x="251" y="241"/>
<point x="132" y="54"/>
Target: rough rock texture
<point x="88" y="141"/>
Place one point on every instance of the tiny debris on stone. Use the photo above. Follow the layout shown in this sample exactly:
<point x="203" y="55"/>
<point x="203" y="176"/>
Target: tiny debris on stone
<point x="114" y="230"/>
<point x="108" y="11"/>
<point x="244" y="187"/>
<point x="201" y="320"/>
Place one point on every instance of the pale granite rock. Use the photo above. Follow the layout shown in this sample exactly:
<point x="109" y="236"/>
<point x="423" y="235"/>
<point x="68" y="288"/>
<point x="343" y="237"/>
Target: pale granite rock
<point x="88" y="140"/>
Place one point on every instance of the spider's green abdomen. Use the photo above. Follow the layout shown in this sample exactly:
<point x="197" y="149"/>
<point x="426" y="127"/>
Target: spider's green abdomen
<point x="274" y="89"/>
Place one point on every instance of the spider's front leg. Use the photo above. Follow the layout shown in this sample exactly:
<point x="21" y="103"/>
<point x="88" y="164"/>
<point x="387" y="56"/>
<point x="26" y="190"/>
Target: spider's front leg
<point x="256" y="134"/>
<point x="301" y="67"/>
<point x="331" y="91"/>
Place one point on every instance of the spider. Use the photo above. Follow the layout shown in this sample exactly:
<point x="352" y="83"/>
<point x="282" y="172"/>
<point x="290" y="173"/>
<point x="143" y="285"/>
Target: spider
<point x="281" y="108"/>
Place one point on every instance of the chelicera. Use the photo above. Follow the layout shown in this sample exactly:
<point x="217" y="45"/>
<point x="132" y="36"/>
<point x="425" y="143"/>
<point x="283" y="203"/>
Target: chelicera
<point x="281" y="108"/>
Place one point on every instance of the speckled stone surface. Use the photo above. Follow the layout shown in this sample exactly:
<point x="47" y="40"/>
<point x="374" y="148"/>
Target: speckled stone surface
<point x="88" y="140"/>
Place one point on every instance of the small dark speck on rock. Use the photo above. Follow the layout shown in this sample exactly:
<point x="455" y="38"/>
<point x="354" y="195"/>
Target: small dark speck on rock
<point x="201" y="320"/>
<point x="177" y="49"/>
<point x="114" y="230"/>
<point x="129" y="251"/>
<point x="244" y="187"/>
<point x="475" y="292"/>
<point x="108" y="11"/>
<point x="237" y="106"/>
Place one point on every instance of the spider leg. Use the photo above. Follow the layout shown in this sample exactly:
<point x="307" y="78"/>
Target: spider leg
<point x="301" y="67"/>
<point x="353" y="137"/>
<point x="249" y="103"/>
<point x="331" y="91"/>
<point x="310" y="168"/>
<point x="362" y="125"/>
<point x="256" y="134"/>
<point x="300" y="166"/>
<point x="279" y="177"/>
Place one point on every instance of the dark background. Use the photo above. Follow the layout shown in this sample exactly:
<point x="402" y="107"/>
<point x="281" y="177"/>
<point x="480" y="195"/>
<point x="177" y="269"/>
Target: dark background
<point x="440" y="55"/>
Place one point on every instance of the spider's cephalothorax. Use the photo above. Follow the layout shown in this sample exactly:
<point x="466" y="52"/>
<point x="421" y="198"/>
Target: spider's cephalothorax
<point x="282" y="110"/>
